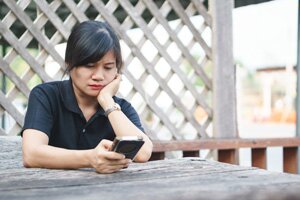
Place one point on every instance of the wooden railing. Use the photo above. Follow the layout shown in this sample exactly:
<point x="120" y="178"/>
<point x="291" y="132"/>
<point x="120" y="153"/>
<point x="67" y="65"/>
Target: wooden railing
<point x="227" y="150"/>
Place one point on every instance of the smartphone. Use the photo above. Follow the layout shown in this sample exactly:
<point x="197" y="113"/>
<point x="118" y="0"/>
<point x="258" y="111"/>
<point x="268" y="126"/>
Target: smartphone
<point x="128" y="145"/>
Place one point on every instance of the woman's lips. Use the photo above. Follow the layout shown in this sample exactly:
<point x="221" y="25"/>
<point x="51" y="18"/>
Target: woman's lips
<point x="95" y="87"/>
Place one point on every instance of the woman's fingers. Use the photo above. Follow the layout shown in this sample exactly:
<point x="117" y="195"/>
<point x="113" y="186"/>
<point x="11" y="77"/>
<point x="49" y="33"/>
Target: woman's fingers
<point x="106" y="161"/>
<point x="119" y="162"/>
<point x="112" y="166"/>
<point x="111" y="155"/>
<point x="106" y="144"/>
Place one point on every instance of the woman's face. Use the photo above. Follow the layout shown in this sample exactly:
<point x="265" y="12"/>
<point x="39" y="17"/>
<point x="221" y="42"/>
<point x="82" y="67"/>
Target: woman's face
<point x="88" y="80"/>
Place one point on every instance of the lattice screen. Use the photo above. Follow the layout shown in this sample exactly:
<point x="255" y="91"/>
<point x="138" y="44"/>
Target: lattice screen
<point x="166" y="50"/>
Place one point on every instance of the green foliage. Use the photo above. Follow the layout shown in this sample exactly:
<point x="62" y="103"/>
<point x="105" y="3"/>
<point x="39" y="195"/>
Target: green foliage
<point x="19" y="66"/>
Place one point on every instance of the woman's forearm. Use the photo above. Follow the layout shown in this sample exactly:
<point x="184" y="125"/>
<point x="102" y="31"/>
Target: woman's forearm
<point x="37" y="153"/>
<point x="124" y="127"/>
<point x="46" y="156"/>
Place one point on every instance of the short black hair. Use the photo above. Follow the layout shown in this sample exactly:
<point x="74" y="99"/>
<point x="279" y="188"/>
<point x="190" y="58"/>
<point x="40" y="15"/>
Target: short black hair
<point x="88" y="42"/>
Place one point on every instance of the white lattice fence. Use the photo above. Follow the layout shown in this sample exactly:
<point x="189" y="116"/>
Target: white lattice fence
<point x="167" y="74"/>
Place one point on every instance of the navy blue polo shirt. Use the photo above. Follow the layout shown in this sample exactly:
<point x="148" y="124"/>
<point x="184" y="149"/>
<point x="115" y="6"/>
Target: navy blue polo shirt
<point x="53" y="109"/>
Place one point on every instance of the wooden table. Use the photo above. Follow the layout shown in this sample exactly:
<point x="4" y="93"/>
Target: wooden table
<point x="186" y="178"/>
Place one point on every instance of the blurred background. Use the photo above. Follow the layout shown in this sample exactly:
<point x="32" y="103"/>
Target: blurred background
<point x="265" y="53"/>
<point x="265" y="49"/>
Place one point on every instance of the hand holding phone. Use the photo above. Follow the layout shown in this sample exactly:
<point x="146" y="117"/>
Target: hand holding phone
<point x="128" y="145"/>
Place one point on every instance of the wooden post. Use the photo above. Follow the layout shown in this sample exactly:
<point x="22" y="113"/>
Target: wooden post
<point x="298" y="85"/>
<point x="224" y="94"/>
<point x="224" y="88"/>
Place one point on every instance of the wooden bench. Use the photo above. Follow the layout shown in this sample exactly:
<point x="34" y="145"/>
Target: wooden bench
<point x="227" y="150"/>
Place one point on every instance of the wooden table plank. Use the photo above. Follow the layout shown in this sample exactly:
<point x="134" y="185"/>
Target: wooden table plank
<point x="186" y="178"/>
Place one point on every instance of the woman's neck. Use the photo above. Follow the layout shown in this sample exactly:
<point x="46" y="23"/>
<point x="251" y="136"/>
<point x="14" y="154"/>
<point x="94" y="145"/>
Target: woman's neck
<point x="88" y="105"/>
<point x="85" y="101"/>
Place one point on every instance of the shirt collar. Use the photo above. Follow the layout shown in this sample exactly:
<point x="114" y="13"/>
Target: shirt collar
<point x="68" y="96"/>
<point x="69" y="99"/>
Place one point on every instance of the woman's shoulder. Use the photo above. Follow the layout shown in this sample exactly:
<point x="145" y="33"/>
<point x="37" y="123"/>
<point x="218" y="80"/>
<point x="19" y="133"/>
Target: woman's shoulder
<point x="52" y="85"/>
<point x="48" y="88"/>
<point x="121" y="101"/>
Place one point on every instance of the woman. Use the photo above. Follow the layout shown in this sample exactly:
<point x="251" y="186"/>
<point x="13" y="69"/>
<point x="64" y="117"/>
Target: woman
<point x="71" y="124"/>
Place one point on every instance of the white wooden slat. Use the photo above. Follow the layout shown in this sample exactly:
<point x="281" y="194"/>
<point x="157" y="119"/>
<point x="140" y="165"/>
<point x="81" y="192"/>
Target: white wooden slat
<point x="128" y="22"/>
<point x="14" y="78"/>
<point x="10" y="18"/>
<point x="115" y="24"/>
<point x="180" y="12"/>
<point x="10" y="37"/>
<point x="150" y="101"/>
<point x="26" y="36"/>
<point x="34" y="31"/>
<point x="15" y="92"/>
<point x="15" y="130"/>
<point x="52" y="16"/>
<point x="141" y="23"/>
<point x="75" y="10"/>
<point x="10" y="108"/>
<point x="203" y="11"/>
<point x="185" y="51"/>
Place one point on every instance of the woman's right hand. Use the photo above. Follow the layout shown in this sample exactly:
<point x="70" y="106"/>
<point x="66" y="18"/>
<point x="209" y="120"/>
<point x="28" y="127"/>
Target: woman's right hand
<point x="105" y="95"/>
<point x="106" y="161"/>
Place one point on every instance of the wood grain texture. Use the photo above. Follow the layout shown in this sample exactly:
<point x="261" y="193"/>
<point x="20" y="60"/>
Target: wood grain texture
<point x="187" y="178"/>
<point x="224" y="87"/>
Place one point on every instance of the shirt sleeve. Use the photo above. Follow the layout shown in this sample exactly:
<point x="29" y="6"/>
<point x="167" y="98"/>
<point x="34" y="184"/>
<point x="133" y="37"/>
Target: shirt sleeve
<point x="132" y="115"/>
<point x="39" y="115"/>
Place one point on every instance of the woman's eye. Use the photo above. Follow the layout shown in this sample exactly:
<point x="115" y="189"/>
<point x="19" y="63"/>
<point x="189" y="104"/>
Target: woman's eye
<point x="108" y="68"/>
<point x="89" y="65"/>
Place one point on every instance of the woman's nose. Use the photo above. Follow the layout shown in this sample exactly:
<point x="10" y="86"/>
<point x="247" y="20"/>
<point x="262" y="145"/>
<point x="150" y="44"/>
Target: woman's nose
<point x="98" y="74"/>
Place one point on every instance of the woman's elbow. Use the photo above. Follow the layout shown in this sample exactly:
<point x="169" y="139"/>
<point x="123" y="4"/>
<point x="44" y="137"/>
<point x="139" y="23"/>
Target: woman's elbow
<point x="142" y="158"/>
<point x="145" y="155"/>
<point x="27" y="162"/>
<point x="28" y="159"/>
